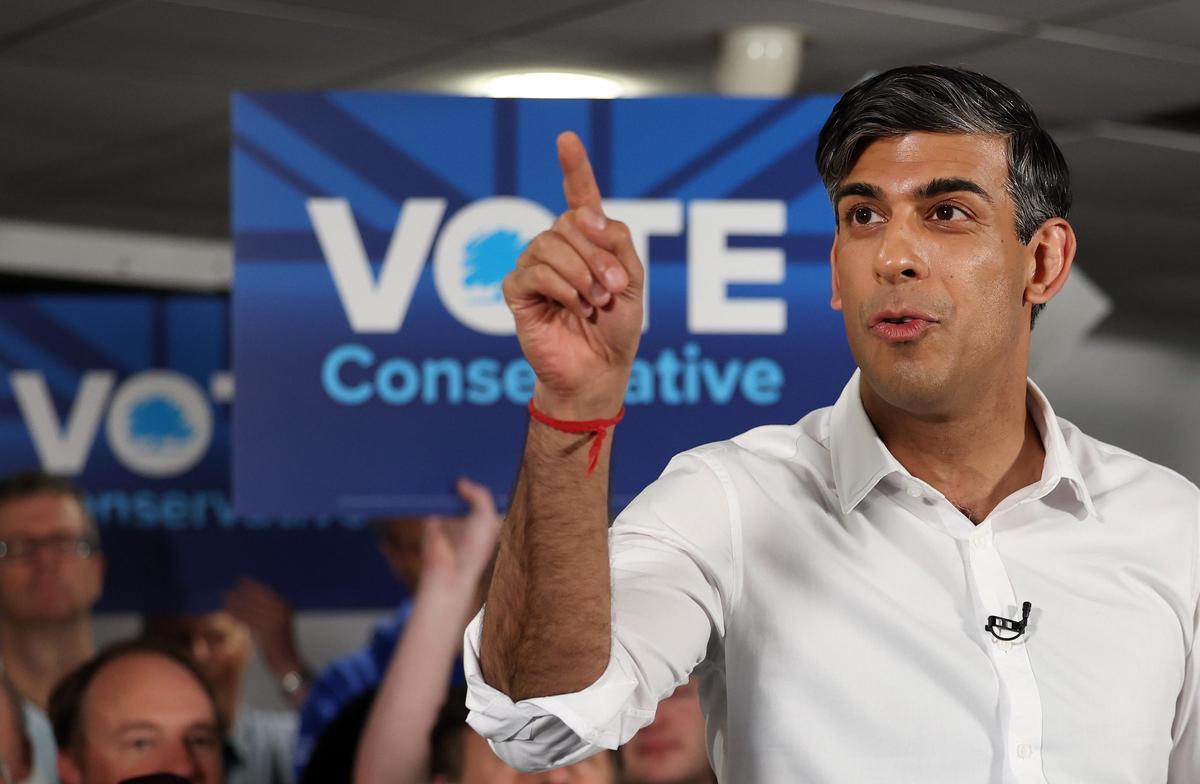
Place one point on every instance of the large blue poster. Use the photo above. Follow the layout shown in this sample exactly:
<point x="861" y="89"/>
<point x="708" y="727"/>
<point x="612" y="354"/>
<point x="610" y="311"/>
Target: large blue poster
<point x="129" y="395"/>
<point x="375" y="357"/>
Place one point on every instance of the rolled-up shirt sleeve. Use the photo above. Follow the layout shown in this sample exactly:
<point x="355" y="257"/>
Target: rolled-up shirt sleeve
<point x="675" y="557"/>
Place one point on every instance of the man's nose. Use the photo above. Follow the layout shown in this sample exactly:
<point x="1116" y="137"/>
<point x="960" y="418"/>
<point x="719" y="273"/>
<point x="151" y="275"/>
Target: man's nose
<point x="46" y="556"/>
<point x="900" y="258"/>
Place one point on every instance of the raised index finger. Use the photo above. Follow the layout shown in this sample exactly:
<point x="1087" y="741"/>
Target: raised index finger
<point x="579" y="183"/>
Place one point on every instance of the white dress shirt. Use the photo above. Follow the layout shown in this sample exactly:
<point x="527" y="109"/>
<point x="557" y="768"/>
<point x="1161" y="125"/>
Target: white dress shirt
<point x="834" y="608"/>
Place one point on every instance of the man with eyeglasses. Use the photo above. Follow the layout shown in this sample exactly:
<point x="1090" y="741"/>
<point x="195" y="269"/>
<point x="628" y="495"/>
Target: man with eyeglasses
<point x="51" y="573"/>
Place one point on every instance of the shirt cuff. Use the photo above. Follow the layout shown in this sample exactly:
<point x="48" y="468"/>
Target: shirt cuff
<point x="532" y="734"/>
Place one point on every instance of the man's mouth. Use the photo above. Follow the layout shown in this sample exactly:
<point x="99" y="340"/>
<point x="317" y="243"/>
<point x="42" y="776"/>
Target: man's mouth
<point x="901" y="325"/>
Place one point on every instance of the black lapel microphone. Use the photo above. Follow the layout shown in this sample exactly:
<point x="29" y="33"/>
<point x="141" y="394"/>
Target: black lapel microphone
<point x="995" y="622"/>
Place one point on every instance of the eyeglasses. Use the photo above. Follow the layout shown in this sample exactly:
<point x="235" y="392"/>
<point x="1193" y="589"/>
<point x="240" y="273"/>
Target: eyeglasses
<point x="27" y="549"/>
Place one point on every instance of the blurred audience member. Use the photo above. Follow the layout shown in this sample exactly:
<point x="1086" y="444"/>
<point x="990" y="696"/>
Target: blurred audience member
<point x="455" y="555"/>
<point x="134" y="709"/>
<point x="672" y="749"/>
<point x="461" y="756"/>
<point x="355" y="674"/>
<point x="270" y="620"/>
<point x="51" y="573"/>
<point x="260" y="741"/>
<point x="332" y="758"/>
<point x="16" y="752"/>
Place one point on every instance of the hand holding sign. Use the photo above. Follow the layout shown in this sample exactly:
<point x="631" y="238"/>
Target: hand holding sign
<point x="576" y="297"/>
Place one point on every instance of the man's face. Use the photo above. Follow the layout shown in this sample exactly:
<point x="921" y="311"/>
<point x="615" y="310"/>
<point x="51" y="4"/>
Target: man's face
<point x="926" y="232"/>
<point x="218" y="644"/>
<point x="45" y="577"/>
<point x="671" y="750"/>
<point x="482" y="766"/>
<point x="143" y="714"/>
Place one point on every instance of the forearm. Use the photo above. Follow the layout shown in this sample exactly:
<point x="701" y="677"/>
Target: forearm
<point x="547" y="624"/>
<point x="395" y="742"/>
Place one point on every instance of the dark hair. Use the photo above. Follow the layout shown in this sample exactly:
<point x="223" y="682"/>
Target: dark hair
<point x="65" y="707"/>
<point x="447" y="754"/>
<point x="939" y="99"/>
<point x="333" y="755"/>
<point x="25" y="484"/>
<point x="34" y="482"/>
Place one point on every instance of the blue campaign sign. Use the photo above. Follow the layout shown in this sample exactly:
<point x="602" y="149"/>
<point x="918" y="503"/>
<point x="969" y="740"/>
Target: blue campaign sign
<point x="375" y="357"/>
<point x="129" y="396"/>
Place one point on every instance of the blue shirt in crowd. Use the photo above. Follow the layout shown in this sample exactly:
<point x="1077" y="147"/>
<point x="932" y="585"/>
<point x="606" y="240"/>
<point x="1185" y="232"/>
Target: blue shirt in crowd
<point x="346" y="678"/>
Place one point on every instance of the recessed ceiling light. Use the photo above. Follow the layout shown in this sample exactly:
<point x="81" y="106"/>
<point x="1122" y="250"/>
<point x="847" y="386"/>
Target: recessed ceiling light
<point x="760" y="60"/>
<point x="552" y="84"/>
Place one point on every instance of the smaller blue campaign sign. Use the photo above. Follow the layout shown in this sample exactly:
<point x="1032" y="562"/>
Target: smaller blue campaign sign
<point x="129" y="396"/>
<point x="376" y="359"/>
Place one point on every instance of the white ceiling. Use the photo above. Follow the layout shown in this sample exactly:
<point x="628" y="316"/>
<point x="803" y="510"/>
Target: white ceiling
<point x="115" y="111"/>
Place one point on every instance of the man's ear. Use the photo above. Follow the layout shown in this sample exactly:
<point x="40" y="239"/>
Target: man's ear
<point x="1051" y="251"/>
<point x="835" y="300"/>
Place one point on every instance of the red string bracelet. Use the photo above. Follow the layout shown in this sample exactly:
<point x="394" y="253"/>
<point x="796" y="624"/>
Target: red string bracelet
<point x="598" y="427"/>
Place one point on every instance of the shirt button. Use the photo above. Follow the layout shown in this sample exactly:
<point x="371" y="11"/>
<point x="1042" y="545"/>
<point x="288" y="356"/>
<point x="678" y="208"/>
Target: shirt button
<point x="1004" y="646"/>
<point x="914" y="491"/>
<point x="980" y="540"/>
<point x="1024" y="751"/>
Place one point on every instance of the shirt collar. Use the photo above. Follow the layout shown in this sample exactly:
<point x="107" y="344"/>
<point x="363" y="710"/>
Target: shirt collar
<point x="860" y="459"/>
<point x="1060" y="465"/>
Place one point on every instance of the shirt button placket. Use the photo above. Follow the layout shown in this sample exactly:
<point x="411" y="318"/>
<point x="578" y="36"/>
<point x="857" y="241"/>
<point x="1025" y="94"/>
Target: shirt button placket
<point x="1010" y="659"/>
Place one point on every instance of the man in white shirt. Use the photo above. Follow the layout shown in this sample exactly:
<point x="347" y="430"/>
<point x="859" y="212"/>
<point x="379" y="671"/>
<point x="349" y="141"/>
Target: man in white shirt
<point x="830" y="582"/>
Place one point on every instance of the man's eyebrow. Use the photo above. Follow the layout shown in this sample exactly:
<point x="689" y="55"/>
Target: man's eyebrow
<point x="138" y="725"/>
<point x="944" y="185"/>
<point x="858" y="189"/>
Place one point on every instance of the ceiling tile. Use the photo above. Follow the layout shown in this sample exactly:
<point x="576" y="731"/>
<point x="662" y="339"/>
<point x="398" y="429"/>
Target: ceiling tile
<point x="1068" y="83"/>
<point x="470" y="16"/>
<point x="841" y="45"/>
<point x="1176" y="23"/>
<point x="221" y="47"/>
<point x="89" y="104"/>
<point x="1032" y="10"/>
<point x="20" y="15"/>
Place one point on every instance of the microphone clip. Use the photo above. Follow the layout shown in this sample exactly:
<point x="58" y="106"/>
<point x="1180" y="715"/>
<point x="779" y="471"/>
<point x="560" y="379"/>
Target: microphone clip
<point x="995" y="622"/>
